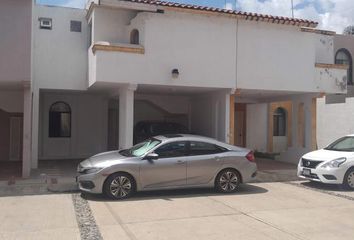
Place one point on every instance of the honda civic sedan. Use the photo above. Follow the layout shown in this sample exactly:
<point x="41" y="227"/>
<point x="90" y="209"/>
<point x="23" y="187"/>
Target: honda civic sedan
<point x="333" y="164"/>
<point x="167" y="162"/>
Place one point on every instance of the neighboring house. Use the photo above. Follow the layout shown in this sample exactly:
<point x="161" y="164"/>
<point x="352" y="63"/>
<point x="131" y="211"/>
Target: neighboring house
<point x="336" y="112"/>
<point x="15" y="82"/>
<point x="247" y="79"/>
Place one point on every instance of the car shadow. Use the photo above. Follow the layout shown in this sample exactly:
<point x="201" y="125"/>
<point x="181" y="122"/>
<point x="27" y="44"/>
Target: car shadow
<point x="324" y="186"/>
<point x="169" y="195"/>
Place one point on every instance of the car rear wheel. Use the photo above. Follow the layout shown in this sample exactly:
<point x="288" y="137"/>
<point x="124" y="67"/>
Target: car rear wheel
<point x="228" y="181"/>
<point x="119" y="186"/>
<point x="348" y="181"/>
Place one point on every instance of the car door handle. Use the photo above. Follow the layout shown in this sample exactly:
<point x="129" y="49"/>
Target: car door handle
<point x="217" y="159"/>
<point x="180" y="162"/>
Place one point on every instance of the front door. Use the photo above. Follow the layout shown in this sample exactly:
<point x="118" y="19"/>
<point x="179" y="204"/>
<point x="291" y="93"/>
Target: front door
<point x="240" y="125"/>
<point x="169" y="170"/>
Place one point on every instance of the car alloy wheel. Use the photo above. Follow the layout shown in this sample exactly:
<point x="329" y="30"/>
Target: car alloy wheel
<point x="228" y="181"/>
<point x="349" y="179"/>
<point x="119" y="186"/>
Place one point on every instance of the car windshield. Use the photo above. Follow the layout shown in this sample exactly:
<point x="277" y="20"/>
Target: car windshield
<point x="345" y="144"/>
<point x="141" y="148"/>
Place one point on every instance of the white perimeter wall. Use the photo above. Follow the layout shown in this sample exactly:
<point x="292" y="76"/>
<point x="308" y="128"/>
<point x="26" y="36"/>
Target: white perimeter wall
<point x="88" y="126"/>
<point x="257" y="126"/>
<point x="11" y="101"/>
<point x="334" y="121"/>
<point x="59" y="55"/>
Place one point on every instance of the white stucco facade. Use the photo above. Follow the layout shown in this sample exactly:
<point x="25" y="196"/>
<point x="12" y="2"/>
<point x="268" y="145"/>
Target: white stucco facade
<point x="189" y="67"/>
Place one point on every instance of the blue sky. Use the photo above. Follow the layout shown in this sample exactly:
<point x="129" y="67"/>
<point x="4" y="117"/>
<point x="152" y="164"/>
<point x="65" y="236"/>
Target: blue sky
<point x="331" y="14"/>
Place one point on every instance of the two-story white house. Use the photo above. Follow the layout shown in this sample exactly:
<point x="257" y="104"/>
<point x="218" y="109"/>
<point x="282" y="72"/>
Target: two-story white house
<point x="243" y="78"/>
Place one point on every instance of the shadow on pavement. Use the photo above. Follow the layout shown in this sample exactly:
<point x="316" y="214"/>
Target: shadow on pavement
<point x="323" y="186"/>
<point x="169" y="195"/>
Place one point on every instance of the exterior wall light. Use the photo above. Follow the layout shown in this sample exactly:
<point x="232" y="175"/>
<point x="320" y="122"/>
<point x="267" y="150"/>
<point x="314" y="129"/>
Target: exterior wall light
<point x="175" y="73"/>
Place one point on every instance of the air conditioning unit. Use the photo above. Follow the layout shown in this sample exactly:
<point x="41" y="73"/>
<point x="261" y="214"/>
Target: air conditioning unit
<point x="45" y="23"/>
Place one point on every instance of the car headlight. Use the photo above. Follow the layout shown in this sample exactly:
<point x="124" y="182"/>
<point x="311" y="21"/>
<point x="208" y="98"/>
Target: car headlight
<point x="335" y="163"/>
<point x="90" y="170"/>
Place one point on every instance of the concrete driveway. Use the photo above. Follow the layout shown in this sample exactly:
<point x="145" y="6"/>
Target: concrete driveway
<point x="258" y="211"/>
<point x="289" y="210"/>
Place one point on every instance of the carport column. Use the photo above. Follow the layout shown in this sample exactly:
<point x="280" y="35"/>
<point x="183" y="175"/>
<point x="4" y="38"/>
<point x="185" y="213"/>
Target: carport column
<point x="35" y="127"/>
<point x="126" y="116"/>
<point x="27" y="120"/>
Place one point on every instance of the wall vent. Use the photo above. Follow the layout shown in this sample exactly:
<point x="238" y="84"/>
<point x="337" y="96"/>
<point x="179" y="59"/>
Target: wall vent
<point x="45" y="23"/>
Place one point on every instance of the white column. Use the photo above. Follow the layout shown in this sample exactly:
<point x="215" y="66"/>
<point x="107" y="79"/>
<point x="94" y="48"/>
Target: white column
<point x="126" y="116"/>
<point x="27" y="119"/>
<point x="35" y="127"/>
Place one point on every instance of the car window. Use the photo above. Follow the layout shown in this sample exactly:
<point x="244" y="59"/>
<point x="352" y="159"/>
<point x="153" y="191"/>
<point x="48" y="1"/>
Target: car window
<point x="140" y="149"/>
<point x="342" y="144"/>
<point x="174" y="149"/>
<point x="203" y="148"/>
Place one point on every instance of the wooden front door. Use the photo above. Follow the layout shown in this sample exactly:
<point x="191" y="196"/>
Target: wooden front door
<point x="240" y="125"/>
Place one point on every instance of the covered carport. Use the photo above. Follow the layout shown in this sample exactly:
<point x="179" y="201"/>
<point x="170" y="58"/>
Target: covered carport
<point x="204" y="111"/>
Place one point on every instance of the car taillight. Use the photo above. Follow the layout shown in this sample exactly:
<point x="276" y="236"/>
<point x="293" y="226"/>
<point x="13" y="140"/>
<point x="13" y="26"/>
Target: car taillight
<point x="250" y="157"/>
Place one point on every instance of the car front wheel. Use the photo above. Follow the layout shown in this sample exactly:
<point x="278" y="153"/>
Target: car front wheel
<point x="348" y="181"/>
<point x="228" y="181"/>
<point x="119" y="186"/>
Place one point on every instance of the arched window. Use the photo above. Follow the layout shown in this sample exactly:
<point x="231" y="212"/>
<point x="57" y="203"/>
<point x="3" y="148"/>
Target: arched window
<point x="60" y="120"/>
<point x="279" y="122"/>
<point x="134" y="37"/>
<point x="343" y="57"/>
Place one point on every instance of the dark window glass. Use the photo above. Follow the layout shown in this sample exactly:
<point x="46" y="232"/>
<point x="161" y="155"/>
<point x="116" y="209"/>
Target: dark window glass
<point x="134" y="37"/>
<point x="343" y="57"/>
<point x="279" y="122"/>
<point x="75" y="26"/>
<point x="60" y="120"/>
<point x="175" y="149"/>
<point x="203" y="148"/>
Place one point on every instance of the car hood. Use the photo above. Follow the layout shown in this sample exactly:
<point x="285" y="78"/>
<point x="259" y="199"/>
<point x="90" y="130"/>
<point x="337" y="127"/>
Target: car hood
<point x="326" y="155"/>
<point x="105" y="159"/>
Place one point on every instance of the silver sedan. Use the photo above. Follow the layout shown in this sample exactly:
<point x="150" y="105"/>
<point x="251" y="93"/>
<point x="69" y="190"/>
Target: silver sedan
<point x="167" y="162"/>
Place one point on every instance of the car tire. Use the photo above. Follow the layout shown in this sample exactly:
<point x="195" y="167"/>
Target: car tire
<point x="348" y="181"/>
<point x="227" y="181"/>
<point x="119" y="186"/>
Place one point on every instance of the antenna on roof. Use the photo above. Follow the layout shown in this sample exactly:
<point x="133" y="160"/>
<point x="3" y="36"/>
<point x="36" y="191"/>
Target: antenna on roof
<point x="292" y="8"/>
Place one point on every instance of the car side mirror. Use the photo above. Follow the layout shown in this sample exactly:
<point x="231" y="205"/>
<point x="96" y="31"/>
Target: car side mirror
<point x="151" y="156"/>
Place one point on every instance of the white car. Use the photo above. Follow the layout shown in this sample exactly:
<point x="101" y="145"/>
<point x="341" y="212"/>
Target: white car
<point x="333" y="164"/>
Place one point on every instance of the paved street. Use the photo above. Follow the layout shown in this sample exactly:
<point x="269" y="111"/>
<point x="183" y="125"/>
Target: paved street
<point x="292" y="210"/>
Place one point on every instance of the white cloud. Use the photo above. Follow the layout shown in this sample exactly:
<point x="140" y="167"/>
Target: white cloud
<point x="228" y="6"/>
<point x="74" y="3"/>
<point x="331" y="14"/>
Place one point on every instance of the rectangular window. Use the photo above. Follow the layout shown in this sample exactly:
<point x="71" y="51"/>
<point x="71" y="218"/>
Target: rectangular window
<point x="75" y="26"/>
